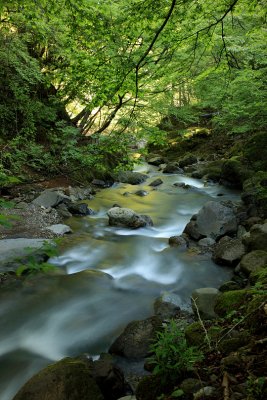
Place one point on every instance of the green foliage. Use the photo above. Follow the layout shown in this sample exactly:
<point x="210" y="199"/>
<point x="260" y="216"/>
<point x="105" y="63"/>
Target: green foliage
<point x="256" y="388"/>
<point x="32" y="268"/>
<point x="172" y="356"/>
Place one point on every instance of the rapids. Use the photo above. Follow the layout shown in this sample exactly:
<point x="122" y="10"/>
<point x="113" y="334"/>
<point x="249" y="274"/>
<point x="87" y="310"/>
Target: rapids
<point x="110" y="276"/>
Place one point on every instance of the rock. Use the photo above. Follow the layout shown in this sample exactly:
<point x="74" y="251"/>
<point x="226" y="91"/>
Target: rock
<point x="68" y="379"/>
<point x="206" y="242"/>
<point x="108" y="377"/>
<point x="11" y="249"/>
<point x="228" y="251"/>
<point x="194" y="334"/>
<point x="100" y="183"/>
<point x="80" y="209"/>
<point x="78" y="193"/>
<point x="204" y="300"/>
<point x="192" y="231"/>
<point x="213" y="220"/>
<point x="133" y="178"/>
<point x="150" y="388"/>
<point x="205" y="392"/>
<point x="59" y="229"/>
<point x="119" y="216"/>
<point x="135" y="340"/>
<point x="256" y="239"/>
<point x="234" y="173"/>
<point x="141" y="193"/>
<point x="190" y="385"/>
<point x="234" y="341"/>
<point x="62" y="209"/>
<point x="230" y="301"/>
<point x="156" y="182"/>
<point x="156" y="160"/>
<point x="176" y="241"/>
<point x="253" y="261"/>
<point x="167" y="305"/>
<point x="50" y="198"/>
<point x="187" y="160"/>
<point x="255" y="194"/>
<point x="182" y="185"/>
<point x="172" y="168"/>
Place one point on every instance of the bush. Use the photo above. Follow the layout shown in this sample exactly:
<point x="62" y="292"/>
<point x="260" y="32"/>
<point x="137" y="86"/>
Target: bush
<point x="172" y="356"/>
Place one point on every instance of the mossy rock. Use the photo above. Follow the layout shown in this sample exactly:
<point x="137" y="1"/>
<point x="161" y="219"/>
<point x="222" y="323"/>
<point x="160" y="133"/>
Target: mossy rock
<point x="230" y="301"/>
<point x="229" y="345"/>
<point x="254" y="261"/>
<point x="234" y="173"/>
<point x="256" y="312"/>
<point x="150" y="388"/>
<point x="195" y="335"/>
<point x="259" y="278"/>
<point x="255" y="192"/>
<point x="68" y="379"/>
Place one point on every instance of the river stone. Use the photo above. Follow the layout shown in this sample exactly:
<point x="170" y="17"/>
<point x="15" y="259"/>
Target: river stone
<point x="187" y="160"/>
<point x="172" y="168"/>
<point x="59" y="229"/>
<point x="50" y="198"/>
<point x="156" y="182"/>
<point x="78" y="193"/>
<point x="206" y="242"/>
<point x="167" y="305"/>
<point x="68" y="379"/>
<point x="178" y="241"/>
<point x="141" y="193"/>
<point x="133" y="178"/>
<point x="204" y="302"/>
<point x="158" y="160"/>
<point x="228" y="251"/>
<point x="11" y="249"/>
<point x="135" y="340"/>
<point x="119" y="216"/>
<point x="256" y="239"/>
<point x="213" y="220"/>
<point x="253" y="261"/>
<point x="80" y="209"/>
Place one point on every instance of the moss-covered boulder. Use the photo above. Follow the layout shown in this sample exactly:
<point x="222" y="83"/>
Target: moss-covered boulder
<point x="228" y="302"/>
<point x="189" y="159"/>
<point x="255" y="192"/>
<point x="234" y="173"/>
<point x="234" y="342"/>
<point x="253" y="261"/>
<point x="256" y="239"/>
<point x="195" y="335"/>
<point x="68" y="379"/>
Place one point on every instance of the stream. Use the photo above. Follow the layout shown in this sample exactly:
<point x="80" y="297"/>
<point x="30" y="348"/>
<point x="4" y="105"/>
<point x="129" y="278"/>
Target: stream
<point x="110" y="276"/>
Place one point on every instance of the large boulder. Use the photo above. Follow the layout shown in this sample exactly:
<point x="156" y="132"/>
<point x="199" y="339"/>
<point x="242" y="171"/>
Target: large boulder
<point x="228" y="251"/>
<point x="213" y="220"/>
<point x="135" y="340"/>
<point x="253" y="261"/>
<point x="68" y="379"/>
<point x="256" y="239"/>
<point x="50" y="198"/>
<point x="172" y="168"/>
<point x="203" y="302"/>
<point x="119" y="216"/>
<point x="133" y="178"/>
<point x="78" y="193"/>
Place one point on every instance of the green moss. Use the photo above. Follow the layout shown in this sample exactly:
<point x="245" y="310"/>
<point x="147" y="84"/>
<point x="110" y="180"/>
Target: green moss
<point x="230" y="301"/>
<point x="255" y="192"/>
<point x="229" y="345"/>
<point x="195" y="335"/>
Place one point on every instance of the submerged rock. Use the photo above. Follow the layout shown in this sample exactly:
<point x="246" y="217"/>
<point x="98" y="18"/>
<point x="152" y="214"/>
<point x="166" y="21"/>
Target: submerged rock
<point x="156" y="182"/>
<point x="119" y="216"/>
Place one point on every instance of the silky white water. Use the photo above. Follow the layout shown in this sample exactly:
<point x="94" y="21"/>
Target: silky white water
<point x="110" y="276"/>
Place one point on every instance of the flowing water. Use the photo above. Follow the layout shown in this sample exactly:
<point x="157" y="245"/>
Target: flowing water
<point x="110" y="276"/>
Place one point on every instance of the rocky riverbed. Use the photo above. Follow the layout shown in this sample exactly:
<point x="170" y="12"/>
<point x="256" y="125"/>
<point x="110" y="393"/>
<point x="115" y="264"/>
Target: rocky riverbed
<point x="234" y="235"/>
